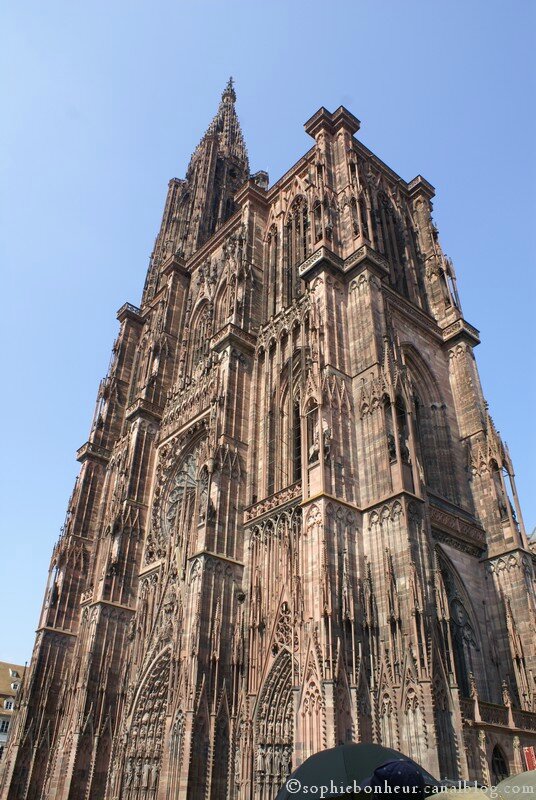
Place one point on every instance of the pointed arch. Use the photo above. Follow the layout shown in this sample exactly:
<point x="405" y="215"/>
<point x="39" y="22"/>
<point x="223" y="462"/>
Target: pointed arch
<point x="312" y="417"/>
<point x="388" y="720"/>
<point x="197" y="778"/>
<point x="420" y="372"/>
<point x="464" y="628"/>
<point x="297" y="245"/>
<point x="185" y="499"/>
<point x="414" y="724"/>
<point x="312" y="713"/>
<point x="499" y="765"/>
<point x="363" y="205"/>
<point x="344" y="722"/>
<point x="143" y="755"/>
<point x="432" y="427"/>
<point x="446" y="736"/>
<point x="221" y="304"/>
<point x="274" y="727"/>
<point x="220" y="755"/>
<point x="176" y="753"/>
<point x="318" y="220"/>
<point x="389" y="237"/>
<point x="200" y="333"/>
<point x="354" y="217"/>
<point x="364" y="708"/>
<point x="283" y="429"/>
<point x="311" y="706"/>
<point x="273" y="248"/>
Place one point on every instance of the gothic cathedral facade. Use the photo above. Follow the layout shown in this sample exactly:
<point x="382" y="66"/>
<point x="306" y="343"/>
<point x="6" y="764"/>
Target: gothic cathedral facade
<point x="295" y="523"/>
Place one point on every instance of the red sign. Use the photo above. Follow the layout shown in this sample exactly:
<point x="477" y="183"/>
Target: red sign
<point x="530" y="757"/>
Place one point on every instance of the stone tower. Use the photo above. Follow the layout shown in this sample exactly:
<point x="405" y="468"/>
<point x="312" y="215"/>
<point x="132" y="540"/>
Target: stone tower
<point x="295" y="523"/>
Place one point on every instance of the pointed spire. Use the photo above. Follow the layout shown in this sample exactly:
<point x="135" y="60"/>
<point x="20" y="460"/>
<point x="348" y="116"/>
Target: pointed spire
<point x="226" y="127"/>
<point x="197" y="206"/>
<point x="229" y="94"/>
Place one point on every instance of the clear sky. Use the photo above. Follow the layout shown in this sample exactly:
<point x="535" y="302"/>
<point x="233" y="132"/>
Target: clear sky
<point x="105" y="101"/>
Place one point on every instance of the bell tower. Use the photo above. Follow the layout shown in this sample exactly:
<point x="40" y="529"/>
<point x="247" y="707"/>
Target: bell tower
<point x="200" y="203"/>
<point x="295" y="524"/>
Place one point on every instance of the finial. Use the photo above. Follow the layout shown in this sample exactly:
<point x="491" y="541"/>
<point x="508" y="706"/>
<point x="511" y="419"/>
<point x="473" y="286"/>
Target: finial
<point x="229" y="92"/>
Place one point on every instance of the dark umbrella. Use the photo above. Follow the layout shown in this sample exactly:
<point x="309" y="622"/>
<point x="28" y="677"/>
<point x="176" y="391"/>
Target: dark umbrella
<point x="336" y="769"/>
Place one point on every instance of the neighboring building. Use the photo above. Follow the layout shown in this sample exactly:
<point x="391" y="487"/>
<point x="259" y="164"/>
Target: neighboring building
<point x="10" y="681"/>
<point x="295" y="522"/>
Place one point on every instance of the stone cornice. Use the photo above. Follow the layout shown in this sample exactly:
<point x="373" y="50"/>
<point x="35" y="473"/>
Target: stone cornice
<point x="420" y="185"/>
<point x="112" y="604"/>
<point x="390" y="498"/>
<point x="322" y="258"/>
<point x="154" y="566"/>
<point x="332" y="122"/>
<point x="460" y="329"/>
<point x="330" y="499"/>
<point x="144" y="408"/>
<point x="412" y="312"/>
<point x="59" y="631"/>
<point x="208" y="554"/>
<point x="230" y="334"/>
<point x="251" y="192"/>
<point x="273" y="502"/>
<point x="130" y="312"/>
<point x="365" y="257"/>
<point x="170" y="429"/>
<point x="175" y="264"/>
<point x="450" y="528"/>
<point x="89" y="450"/>
<point x="516" y="557"/>
<point x="510" y="551"/>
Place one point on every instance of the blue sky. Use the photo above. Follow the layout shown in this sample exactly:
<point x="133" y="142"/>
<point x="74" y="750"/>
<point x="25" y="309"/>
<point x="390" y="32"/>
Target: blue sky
<point x="106" y="101"/>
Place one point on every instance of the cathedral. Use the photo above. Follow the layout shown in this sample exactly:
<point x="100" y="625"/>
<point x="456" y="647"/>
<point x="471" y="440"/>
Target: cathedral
<point x="295" y="523"/>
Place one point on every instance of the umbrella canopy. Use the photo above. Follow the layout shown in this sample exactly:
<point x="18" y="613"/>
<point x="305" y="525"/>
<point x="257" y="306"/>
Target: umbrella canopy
<point x="526" y="779"/>
<point x="341" y="767"/>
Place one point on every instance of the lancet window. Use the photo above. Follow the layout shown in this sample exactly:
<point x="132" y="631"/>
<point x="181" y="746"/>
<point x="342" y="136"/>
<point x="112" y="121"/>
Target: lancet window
<point x="186" y="502"/>
<point x="363" y="213"/>
<point x="296" y="442"/>
<point x="296" y="245"/>
<point x="388" y="723"/>
<point x="200" y="333"/>
<point x="499" y="766"/>
<point x="432" y="429"/>
<point x="273" y="265"/>
<point x="463" y="632"/>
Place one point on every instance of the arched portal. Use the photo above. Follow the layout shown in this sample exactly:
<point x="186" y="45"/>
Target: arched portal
<point x="274" y="729"/>
<point x="145" y="737"/>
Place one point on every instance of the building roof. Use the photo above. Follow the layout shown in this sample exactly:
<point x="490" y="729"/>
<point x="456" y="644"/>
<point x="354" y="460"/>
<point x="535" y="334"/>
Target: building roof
<point x="7" y="678"/>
